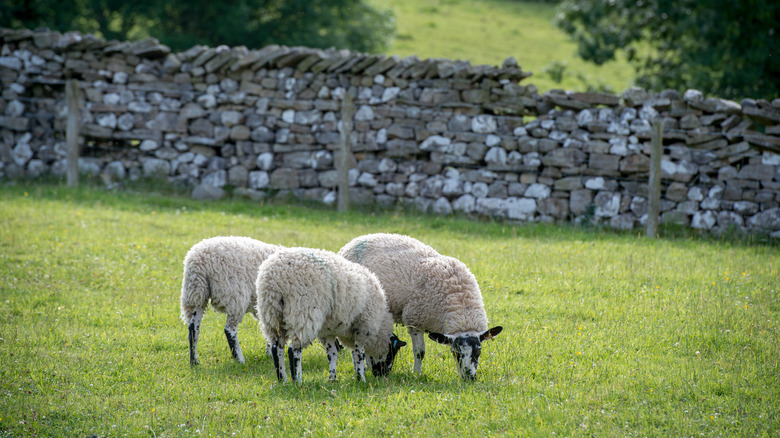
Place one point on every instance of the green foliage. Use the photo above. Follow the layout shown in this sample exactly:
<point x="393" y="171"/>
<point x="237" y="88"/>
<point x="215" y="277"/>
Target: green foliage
<point x="349" y="24"/>
<point x="723" y="47"/>
<point x="605" y="334"/>
<point x="555" y="70"/>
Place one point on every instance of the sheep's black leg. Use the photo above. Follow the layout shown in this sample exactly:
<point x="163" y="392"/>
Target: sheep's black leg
<point x="292" y="363"/>
<point x="277" y="351"/>
<point x="359" y="361"/>
<point x="231" y="333"/>
<point x="194" y="331"/>
<point x="295" y="354"/>
<point x="333" y="357"/>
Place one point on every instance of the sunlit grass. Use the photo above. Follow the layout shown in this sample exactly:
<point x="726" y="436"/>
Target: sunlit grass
<point x="489" y="31"/>
<point x="606" y="334"/>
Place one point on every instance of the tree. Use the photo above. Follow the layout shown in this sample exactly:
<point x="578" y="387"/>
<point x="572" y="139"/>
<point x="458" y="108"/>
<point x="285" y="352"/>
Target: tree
<point x="348" y="24"/>
<point x="724" y="47"/>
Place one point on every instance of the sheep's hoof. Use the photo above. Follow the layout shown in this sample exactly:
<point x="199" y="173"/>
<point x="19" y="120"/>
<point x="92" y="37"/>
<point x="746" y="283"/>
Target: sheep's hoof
<point x="194" y="362"/>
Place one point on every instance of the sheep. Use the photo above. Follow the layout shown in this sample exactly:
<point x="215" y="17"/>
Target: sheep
<point x="222" y="270"/>
<point x="427" y="292"/>
<point x="304" y="294"/>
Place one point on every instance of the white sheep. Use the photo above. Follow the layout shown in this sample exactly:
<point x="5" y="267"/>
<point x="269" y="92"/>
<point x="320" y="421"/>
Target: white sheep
<point x="304" y="294"/>
<point x="427" y="292"/>
<point x="222" y="270"/>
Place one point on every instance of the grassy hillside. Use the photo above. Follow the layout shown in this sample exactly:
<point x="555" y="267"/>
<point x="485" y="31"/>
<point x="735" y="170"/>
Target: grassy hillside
<point x="605" y="334"/>
<point x="489" y="31"/>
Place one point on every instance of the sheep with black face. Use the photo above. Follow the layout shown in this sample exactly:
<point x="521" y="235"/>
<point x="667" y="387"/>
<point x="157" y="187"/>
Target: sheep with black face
<point x="304" y="294"/>
<point x="427" y="292"/>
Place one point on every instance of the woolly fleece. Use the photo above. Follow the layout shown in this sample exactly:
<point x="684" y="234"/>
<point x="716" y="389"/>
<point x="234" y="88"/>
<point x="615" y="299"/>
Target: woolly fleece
<point x="223" y="270"/>
<point x="424" y="289"/>
<point x="304" y="294"/>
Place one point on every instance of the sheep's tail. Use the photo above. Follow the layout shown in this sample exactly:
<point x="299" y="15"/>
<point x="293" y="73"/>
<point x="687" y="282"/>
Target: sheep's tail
<point x="195" y="292"/>
<point x="270" y="311"/>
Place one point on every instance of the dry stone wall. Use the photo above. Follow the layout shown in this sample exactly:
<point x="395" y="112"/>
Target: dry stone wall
<point x="443" y="136"/>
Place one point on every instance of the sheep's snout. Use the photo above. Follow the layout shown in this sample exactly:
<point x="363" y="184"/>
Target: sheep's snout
<point x="382" y="366"/>
<point x="466" y="350"/>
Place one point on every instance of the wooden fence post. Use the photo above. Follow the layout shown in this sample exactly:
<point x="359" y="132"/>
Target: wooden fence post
<point x="654" y="180"/>
<point x="345" y="149"/>
<point x="72" y="133"/>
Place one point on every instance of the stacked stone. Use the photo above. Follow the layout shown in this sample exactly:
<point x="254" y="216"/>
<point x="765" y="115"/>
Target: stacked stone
<point x="717" y="171"/>
<point x="443" y="136"/>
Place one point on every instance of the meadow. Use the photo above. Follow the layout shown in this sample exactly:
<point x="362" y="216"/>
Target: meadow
<point x="490" y="31"/>
<point x="605" y="333"/>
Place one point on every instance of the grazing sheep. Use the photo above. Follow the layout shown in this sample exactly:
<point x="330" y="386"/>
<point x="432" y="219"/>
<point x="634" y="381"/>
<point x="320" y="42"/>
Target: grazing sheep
<point x="427" y="292"/>
<point x="304" y="294"/>
<point x="222" y="270"/>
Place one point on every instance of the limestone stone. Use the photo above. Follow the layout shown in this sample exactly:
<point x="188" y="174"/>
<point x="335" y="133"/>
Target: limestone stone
<point x="496" y="156"/>
<point x="207" y="192"/>
<point x="520" y="208"/>
<point x="538" y="191"/>
<point x="727" y="218"/>
<point x="367" y="179"/>
<point x="231" y="118"/>
<point x="677" y="192"/>
<point x="156" y="168"/>
<point x="22" y="153"/>
<point x="480" y="190"/>
<point x="761" y="172"/>
<point x="464" y="204"/>
<point x="216" y="178"/>
<point x="284" y="178"/>
<point x="452" y="187"/>
<point x="623" y="221"/>
<point x="607" y="204"/>
<point x="568" y="183"/>
<point x="603" y="161"/>
<point x="238" y="176"/>
<point x="240" y="133"/>
<point x="116" y="170"/>
<point x="704" y="220"/>
<point x="490" y="207"/>
<point x="364" y="113"/>
<point x="441" y="206"/>
<point x="746" y="207"/>
<point x="635" y="163"/>
<point x="459" y="122"/>
<point x="436" y="143"/>
<point x="768" y="219"/>
<point x="564" y="157"/>
<point x="580" y="200"/>
<point x="483" y="124"/>
<point x="555" y="207"/>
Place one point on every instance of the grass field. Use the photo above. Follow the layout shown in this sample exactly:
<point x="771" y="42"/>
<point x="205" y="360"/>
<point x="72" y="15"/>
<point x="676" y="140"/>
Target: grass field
<point x="605" y="334"/>
<point x="489" y="31"/>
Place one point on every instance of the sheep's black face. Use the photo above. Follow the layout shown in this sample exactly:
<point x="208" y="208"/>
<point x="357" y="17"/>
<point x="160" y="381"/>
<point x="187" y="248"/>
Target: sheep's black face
<point x="381" y="367"/>
<point x="466" y="349"/>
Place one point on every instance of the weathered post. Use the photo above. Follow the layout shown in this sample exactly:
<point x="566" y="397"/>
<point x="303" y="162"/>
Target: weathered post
<point x="72" y="132"/>
<point x="345" y="150"/>
<point x="654" y="182"/>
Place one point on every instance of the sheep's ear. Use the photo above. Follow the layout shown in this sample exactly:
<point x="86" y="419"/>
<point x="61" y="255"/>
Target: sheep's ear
<point x="440" y="338"/>
<point x="490" y="333"/>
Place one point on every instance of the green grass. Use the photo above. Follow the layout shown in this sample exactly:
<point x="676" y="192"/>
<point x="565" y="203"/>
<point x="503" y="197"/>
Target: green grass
<point x="605" y="334"/>
<point x="489" y="31"/>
